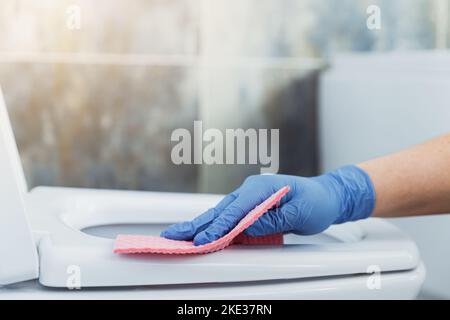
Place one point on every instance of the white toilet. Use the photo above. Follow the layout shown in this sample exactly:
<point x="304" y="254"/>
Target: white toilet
<point x="53" y="239"/>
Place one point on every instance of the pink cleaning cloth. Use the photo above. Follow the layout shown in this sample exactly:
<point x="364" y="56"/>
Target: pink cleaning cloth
<point x="150" y="244"/>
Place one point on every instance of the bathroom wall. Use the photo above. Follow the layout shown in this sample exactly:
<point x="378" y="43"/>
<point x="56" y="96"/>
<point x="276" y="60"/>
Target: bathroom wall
<point x="94" y="97"/>
<point x="94" y="106"/>
<point x="400" y="100"/>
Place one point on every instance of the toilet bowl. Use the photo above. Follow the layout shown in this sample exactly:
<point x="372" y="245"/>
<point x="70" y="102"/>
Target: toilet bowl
<point x="62" y="238"/>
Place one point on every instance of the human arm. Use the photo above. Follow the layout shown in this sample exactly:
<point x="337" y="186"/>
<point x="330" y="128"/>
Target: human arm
<point x="412" y="182"/>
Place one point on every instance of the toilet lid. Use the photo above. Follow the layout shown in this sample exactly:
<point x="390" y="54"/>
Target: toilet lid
<point x="18" y="253"/>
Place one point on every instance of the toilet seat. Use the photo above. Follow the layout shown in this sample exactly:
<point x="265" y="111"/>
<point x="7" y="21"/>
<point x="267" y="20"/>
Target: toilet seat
<point x="59" y="215"/>
<point x="394" y="285"/>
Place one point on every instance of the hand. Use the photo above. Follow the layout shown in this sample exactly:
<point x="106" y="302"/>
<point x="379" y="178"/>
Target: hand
<point x="310" y="207"/>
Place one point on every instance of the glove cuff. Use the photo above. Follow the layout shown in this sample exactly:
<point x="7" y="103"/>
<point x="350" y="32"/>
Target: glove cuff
<point x="357" y="193"/>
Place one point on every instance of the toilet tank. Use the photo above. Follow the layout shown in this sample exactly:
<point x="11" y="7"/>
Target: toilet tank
<point x="374" y="104"/>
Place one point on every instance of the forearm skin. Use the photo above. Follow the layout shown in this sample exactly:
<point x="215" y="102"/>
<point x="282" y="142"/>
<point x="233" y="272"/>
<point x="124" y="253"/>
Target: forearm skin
<point x="412" y="182"/>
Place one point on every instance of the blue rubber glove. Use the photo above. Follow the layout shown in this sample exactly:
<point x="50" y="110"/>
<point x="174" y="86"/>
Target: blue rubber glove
<point x="310" y="207"/>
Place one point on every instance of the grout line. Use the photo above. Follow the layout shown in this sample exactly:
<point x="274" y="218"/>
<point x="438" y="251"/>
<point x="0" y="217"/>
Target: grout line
<point x="161" y="60"/>
<point x="283" y="63"/>
<point x="97" y="58"/>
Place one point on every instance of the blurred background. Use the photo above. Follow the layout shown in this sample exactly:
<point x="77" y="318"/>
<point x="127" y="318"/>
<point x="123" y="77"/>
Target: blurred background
<point x="95" y="89"/>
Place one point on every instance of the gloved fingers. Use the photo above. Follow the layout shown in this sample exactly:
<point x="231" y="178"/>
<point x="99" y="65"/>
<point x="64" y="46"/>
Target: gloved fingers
<point x="224" y="223"/>
<point x="188" y="229"/>
<point x="180" y="231"/>
<point x="276" y="220"/>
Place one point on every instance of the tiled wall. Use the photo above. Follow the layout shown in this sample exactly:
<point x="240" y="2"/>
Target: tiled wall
<point x="100" y="126"/>
<point x="95" y="106"/>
